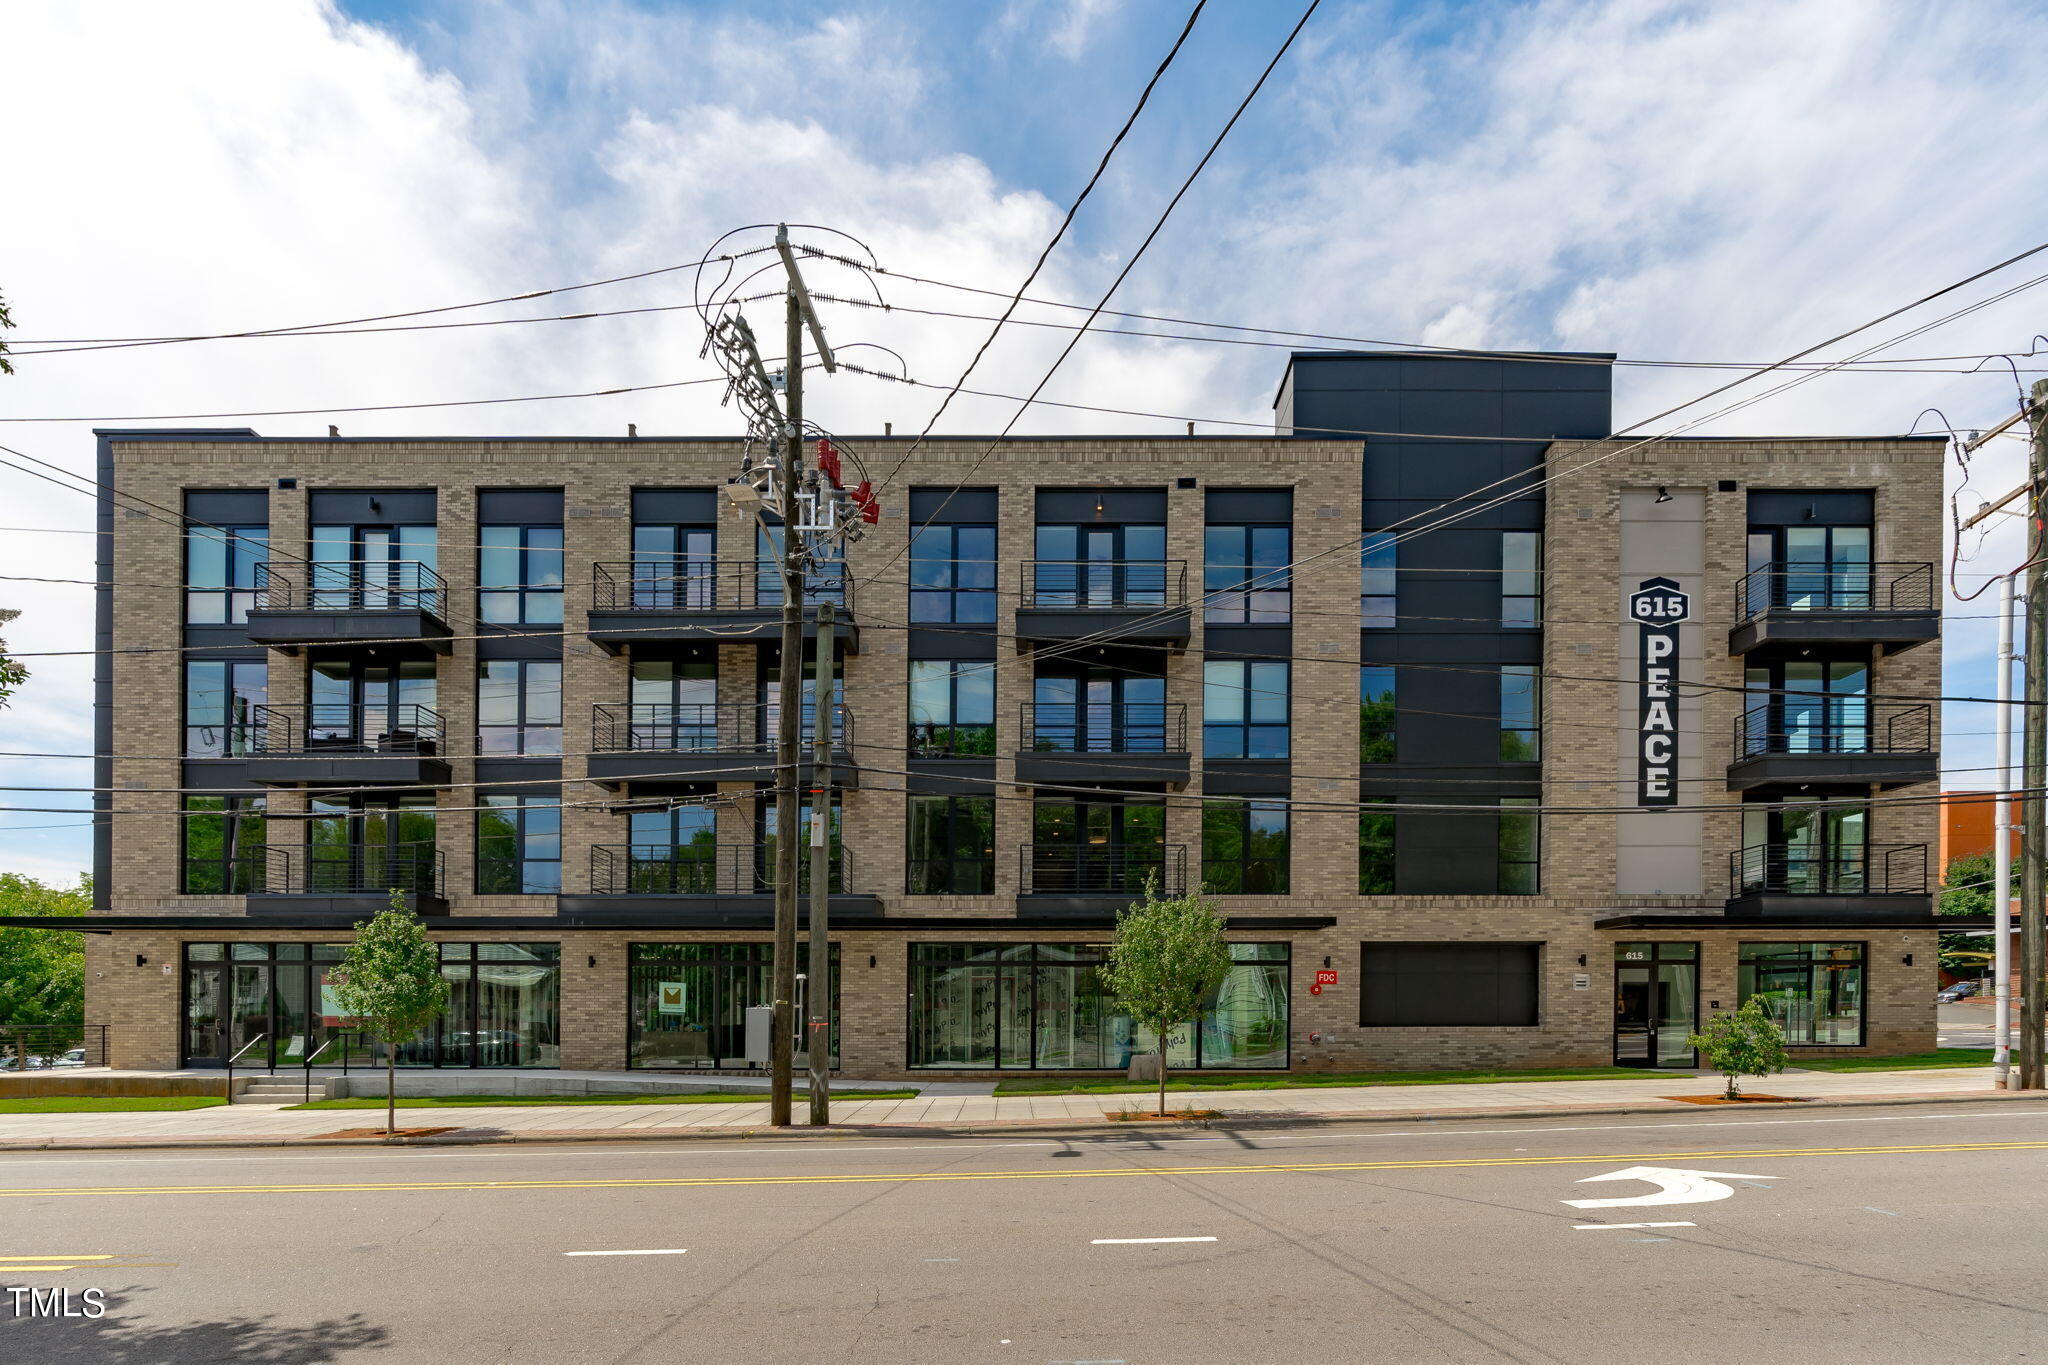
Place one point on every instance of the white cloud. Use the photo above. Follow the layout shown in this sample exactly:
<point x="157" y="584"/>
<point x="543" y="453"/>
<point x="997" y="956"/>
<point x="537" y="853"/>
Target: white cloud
<point x="1063" y="27"/>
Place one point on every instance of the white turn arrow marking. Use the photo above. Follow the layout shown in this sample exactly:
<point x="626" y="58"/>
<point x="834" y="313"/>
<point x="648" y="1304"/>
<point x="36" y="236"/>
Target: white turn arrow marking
<point x="1674" y="1187"/>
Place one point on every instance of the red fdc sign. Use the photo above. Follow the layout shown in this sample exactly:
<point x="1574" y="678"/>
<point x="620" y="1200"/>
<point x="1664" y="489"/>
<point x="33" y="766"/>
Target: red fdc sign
<point x="1326" y="978"/>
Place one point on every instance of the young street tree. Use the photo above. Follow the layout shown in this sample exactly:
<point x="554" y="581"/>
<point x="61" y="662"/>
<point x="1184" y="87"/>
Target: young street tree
<point x="1745" y="1043"/>
<point x="390" y="983"/>
<point x="1168" y="958"/>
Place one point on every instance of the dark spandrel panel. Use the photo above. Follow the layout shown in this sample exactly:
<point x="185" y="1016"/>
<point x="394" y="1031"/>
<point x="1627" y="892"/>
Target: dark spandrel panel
<point x="351" y="507"/>
<point x="1456" y="985"/>
<point x="519" y="505"/>
<point x="675" y="506"/>
<point x="949" y="504"/>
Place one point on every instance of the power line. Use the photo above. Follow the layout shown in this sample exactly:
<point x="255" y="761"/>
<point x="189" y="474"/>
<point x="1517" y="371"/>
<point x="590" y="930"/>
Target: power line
<point x="1058" y="233"/>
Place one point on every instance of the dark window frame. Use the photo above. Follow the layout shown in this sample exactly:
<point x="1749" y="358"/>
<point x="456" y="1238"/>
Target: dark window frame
<point x="1246" y="727"/>
<point x="236" y="725"/>
<point x="1237" y="871"/>
<point x="1377" y="851"/>
<point x="945" y="569"/>
<point x="941" y="875"/>
<point x="1521" y="608"/>
<point x="1379" y="581"/>
<point x="523" y="694"/>
<point x="237" y="866"/>
<point x="1521" y="742"/>
<point x="950" y="737"/>
<point x="1230" y="587"/>
<point x="1815" y="966"/>
<point x="1521" y="875"/>
<point x="237" y="592"/>
<point x="491" y="868"/>
<point x="530" y="583"/>
<point x="1378" y="734"/>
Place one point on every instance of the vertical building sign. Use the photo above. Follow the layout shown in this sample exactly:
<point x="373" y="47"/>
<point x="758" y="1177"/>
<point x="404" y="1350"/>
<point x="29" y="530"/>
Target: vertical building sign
<point x="1658" y="608"/>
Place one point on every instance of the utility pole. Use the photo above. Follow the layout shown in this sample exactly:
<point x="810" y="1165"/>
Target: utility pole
<point x="2001" y="851"/>
<point x="2034" y="834"/>
<point x="818" y="1035"/>
<point x="789" y="696"/>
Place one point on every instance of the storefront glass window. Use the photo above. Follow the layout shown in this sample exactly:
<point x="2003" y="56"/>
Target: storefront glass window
<point x="1814" y="991"/>
<point x="1043" y="1006"/>
<point x="687" y="1002"/>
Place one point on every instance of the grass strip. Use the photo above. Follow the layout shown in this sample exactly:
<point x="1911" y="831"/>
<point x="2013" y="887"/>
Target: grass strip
<point x="1321" y="1080"/>
<point x="1916" y="1061"/>
<point x="106" y="1104"/>
<point x="509" y="1101"/>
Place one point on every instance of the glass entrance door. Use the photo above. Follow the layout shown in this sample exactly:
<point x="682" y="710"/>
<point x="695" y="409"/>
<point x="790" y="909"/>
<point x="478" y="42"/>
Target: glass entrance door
<point x="1656" y="1003"/>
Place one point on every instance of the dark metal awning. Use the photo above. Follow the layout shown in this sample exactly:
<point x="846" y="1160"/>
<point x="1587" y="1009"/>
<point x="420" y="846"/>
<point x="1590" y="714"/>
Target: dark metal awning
<point x="763" y="919"/>
<point x="1753" y="924"/>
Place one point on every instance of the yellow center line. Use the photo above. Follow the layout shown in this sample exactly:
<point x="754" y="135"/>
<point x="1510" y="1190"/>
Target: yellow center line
<point x="79" y="1256"/>
<point x="1121" y="1172"/>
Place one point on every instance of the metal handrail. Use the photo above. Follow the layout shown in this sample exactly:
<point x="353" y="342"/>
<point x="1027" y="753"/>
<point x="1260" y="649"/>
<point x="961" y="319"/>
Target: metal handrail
<point x="1101" y="869"/>
<point x="1846" y="725"/>
<point x="702" y="727"/>
<point x="696" y="584"/>
<point x="1105" y="584"/>
<point x="345" y="727"/>
<point x="1792" y="585"/>
<point x="942" y="739"/>
<point x="312" y="1055"/>
<point x="1118" y="727"/>
<point x="696" y="870"/>
<point x="386" y="585"/>
<point x="1867" y="869"/>
<point x="236" y="1056"/>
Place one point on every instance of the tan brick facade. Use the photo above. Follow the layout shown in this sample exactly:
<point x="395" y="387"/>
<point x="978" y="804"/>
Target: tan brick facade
<point x="1585" y="687"/>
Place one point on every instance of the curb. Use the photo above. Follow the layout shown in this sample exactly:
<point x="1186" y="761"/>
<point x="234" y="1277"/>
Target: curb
<point x="1046" y="1128"/>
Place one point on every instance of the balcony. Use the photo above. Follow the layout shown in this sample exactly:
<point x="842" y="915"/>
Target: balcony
<point x="1867" y="884"/>
<point x="657" y="744"/>
<point x="1143" y="601"/>
<point x="1104" y="742"/>
<point x="355" y="881"/>
<point x="701" y="600"/>
<point x="1854" y="744"/>
<point x="701" y="886"/>
<point x="1788" y="607"/>
<point x="344" y="746"/>
<point x="402" y="604"/>
<point x="1089" y="880"/>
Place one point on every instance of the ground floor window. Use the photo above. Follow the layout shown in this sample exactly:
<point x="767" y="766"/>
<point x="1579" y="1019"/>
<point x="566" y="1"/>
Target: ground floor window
<point x="268" y="1004"/>
<point x="1042" y="1006"/>
<point x="687" y="1002"/>
<point x="1813" y="990"/>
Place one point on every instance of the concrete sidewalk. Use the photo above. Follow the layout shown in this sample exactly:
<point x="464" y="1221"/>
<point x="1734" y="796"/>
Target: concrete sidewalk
<point x="269" y="1125"/>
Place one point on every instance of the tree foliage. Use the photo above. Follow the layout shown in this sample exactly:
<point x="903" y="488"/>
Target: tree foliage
<point x="13" y="673"/>
<point x="6" y="321"/>
<point x="1168" y="958"/>
<point x="389" y="982"/>
<point x="1968" y="887"/>
<point x="42" y="971"/>
<point x="1745" y="1043"/>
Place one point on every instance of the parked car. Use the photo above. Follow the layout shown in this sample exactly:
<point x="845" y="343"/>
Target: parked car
<point x="75" y="1057"/>
<point x="1962" y="990"/>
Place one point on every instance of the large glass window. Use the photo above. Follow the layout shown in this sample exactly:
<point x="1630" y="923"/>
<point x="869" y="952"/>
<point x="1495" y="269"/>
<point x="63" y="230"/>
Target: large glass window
<point x="1244" y="848"/>
<point x="356" y="704"/>
<point x="766" y="835"/>
<point x="519" y="574"/>
<point x="519" y="845"/>
<point x="221" y="842"/>
<point x="1521" y="578"/>
<point x="1521" y="713"/>
<point x="1105" y="846"/>
<point x="518" y="706"/>
<point x="1080" y="709"/>
<point x="1245" y="574"/>
<point x="221" y="701"/>
<point x="952" y="845"/>
<point x="1378" y="593"/>
<point x="952" y="707"/>
<point x="674" y="852"/>
<point x="220" y="572"/>
<point x="1805" y="706"/>
<point x="371" y="844"/>
<point x="375" y="568"/>
<point x="1805" y="847"/>
<point x="1810" y="568"/>
<point x="824" y="579"/>
<point x="674" y="567"/>
<point x="953" y="574"/>
<point x="687" y="1002"/>
<point x="1376" y="713"/>
<point x="1376" y="846"/>
<point x="1043" y="1006"/>
<point x="675" y="703"/>
<point x="1520" y="846"/>
<point x="1244" y="708"/>
<point x="270" y="1004"/>
<point x="1814" y="991"/>
<point x="1100" y="566"/>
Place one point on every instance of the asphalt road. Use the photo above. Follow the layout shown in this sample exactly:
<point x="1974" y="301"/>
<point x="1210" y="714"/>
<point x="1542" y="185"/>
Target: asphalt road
<point x="1907" y="1234"/>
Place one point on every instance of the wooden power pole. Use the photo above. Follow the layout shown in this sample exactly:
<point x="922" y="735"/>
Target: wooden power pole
<point x="2034" y="760"/>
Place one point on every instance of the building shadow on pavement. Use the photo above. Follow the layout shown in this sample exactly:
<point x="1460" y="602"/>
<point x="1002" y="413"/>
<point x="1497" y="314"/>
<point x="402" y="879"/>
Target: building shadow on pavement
<point x="120" y="1339"/>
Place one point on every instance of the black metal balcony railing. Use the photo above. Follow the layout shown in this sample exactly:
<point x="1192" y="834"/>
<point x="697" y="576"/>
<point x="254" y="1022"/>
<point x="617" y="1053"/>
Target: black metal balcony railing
<point x="704" y="585"/>
<point x="1105" y="585"/>
<point x="1865" y="870"/>
<point x="698" y="870"/>
<point x="1840" y="726"/>
<point x="394" y="585"/>
<point x="417" y="869"/>
<point x="1125" y="727"/>
<point x="1787" y="585"/>
<point x="703" y="728"/>
<point x="1102" y="869"/>
<point x="341" y="728"/>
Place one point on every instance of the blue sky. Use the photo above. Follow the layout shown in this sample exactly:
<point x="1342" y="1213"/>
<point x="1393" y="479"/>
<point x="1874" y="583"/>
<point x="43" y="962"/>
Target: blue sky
<point x="1727" y="181"/>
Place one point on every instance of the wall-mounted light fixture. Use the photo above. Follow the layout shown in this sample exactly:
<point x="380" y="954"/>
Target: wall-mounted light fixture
<point x="871" y="959"/>
<point x="1582" y="959"/>
<point x="1909" y="959"/>
<point x="141" y="961"/>
<point x="593" y="959"/>
<point x="1663" y="495"/>
<point x="1326" y="959"/>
